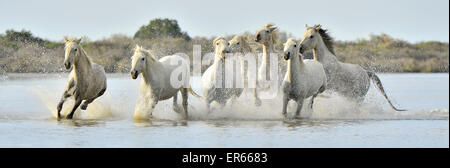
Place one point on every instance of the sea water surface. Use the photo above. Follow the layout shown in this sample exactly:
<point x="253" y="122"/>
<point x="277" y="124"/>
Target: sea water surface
<point x="28" y="105"/>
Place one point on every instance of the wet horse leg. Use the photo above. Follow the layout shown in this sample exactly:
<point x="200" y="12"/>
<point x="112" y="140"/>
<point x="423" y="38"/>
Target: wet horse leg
<point x="175" y="104"/>
<point x="299" y="107"/>
<point x="61" y="102"/>
<point x="77" y="103"/>
<point x="312" y="100"/>
<point x="87" y="102"/>
<point x="255" y="96"/>
<point x="285" y="103"/>
<point x="184" y="95"/>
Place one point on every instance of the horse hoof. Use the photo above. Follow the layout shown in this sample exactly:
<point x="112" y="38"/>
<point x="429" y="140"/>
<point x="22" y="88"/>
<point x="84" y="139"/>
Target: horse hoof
<point x="257" y="102"/>
<point x="69" y="117"/>
<point x="83" y="106"/>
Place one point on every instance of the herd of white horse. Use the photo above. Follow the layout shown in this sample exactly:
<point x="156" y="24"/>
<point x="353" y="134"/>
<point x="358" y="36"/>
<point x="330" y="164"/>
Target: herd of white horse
<point x="304" y="78"/>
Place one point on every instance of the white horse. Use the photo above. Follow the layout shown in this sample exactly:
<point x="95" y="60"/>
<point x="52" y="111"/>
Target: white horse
<point x="156" y="76"/>
<point x="213" y="79"/>
<point x="267" y="37"/>
<point x="303" y="79"/>
<point x="349" y="80"/>
<point x="87" y="80"/>
<point x="240" y="45"/>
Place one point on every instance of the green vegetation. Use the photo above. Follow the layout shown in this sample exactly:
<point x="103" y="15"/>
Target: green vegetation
<point x="159" y="28"/>
<point x="20" y="51"/>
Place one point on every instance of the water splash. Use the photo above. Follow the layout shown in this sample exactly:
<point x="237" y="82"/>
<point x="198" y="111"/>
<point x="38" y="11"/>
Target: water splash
<point x="333" y="107"/>
<point x="104" y="107"/>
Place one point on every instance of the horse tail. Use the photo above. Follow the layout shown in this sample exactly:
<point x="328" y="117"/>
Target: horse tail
<point x="379" y="86"/>
<point x="193" y="93"/>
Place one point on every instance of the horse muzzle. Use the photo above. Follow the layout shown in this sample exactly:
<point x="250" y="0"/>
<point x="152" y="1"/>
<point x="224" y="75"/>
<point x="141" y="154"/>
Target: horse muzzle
<point x="134" y="74"/>
<point x="257" y="38"/>
<point x="67" y="65"/>
<point x="287" y="56"/>
<point x="301" y="50"/>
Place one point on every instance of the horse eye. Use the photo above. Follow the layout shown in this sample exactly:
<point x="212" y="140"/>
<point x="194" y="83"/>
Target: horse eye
<point x="142" y="59"/>
<point x="311" y="36"/>
<point x="267" y="31"/>
<point x="228" y="43"/>
<point x="76" y="49"/>
<point x="295" y="46"/>
<point x="217" y="43"/>
<point x="237" y="43"/>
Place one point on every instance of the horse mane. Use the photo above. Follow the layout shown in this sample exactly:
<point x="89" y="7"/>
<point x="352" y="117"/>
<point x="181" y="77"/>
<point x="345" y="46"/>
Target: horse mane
<point x="327" y="39"/>
<point x="217" y="39"/>
<point x="244" y="43"/>
<point x="146" y="52"/>
<point x="274" y="33"/>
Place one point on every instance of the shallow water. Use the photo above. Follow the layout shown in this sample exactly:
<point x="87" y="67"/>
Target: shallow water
<point x="28" y="102"/>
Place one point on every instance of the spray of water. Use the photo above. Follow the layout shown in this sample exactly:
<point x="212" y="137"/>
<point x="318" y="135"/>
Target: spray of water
<point x="332" y="106"/>
<point x="104" y="107"/>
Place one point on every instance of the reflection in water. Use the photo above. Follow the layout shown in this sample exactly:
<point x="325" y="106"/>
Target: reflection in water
<point x="159" y="122"/>
<point x="316" y="123"/>
<point x="83" y="123"/>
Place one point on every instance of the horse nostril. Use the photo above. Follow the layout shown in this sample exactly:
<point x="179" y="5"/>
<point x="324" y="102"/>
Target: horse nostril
<point x="257" y="38"/>
<point x="67" y="65"/>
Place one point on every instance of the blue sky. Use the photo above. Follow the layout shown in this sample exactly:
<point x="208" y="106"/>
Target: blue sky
<point x="411" y="20"/>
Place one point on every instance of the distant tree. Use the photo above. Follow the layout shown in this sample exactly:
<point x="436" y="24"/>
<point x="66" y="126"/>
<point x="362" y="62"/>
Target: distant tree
<point x="158" y="28"/>
<point x="22" y="36"/>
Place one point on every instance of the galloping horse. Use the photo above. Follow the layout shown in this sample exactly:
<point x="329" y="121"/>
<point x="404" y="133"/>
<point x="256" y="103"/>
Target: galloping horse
<point x="303" y="79"/>
<point x="241" y="45"/>
<point x="213" y="79"/>
<point x="349" y="80"/>
<point x="157" y="77"/>
<point x="87" y="80"/>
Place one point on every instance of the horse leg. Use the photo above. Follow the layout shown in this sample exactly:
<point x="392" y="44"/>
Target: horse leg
<point x="175" y="104"/>
<point x="312" y="100"/>
<point x="61" y="102"/>
<point x="208" y="106"/>
<point x="257" y="100"/>
<point x="232" y="100"/>
<point x="87" y="102"/>
<point x="285" y="103"/>
<point x="77" y="103"/>
<point x="299" y="107"/>
<point x="184" y="95"/>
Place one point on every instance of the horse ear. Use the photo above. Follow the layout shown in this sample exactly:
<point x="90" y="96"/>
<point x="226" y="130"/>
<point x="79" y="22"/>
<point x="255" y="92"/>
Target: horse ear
<point x="78" y="41"/>
<point x="317" y="27"/>
<point x="306" y="26"/>
<point x="273" y="28"/>
<point x="66" y="39"/>
<point x="137" y="47"/>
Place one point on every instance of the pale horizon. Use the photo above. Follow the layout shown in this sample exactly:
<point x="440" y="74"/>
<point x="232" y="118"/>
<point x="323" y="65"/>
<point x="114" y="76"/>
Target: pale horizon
<point x="413" y="21"/>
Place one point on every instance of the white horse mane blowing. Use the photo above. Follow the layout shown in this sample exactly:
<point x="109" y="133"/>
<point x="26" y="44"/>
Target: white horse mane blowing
<point x="158" y="79"/>
<point x="303" y="79"/>
<point x="87" y="80"/>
